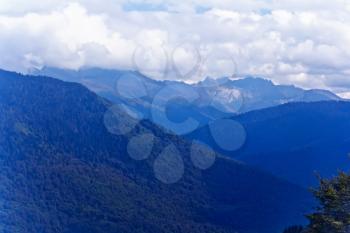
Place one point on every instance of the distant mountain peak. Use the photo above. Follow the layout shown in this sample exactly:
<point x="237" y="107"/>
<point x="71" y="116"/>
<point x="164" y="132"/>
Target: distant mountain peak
<point x="217" y="97"/>
<point x="254" y="81"/>
<point x="209" y="81"/>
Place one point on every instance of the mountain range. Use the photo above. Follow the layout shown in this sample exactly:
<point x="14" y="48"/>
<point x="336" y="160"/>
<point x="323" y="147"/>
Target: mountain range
<point x="62" y="169"/>
<point x="290" y="132"/>
<point x="168" y="103"/>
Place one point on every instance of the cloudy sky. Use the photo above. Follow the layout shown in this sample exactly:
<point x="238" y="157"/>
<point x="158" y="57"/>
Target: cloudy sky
<point x="300" y="42"/>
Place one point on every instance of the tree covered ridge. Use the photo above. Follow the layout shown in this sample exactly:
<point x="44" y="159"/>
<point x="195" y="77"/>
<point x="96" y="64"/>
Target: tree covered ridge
<point x="61" y="171"/>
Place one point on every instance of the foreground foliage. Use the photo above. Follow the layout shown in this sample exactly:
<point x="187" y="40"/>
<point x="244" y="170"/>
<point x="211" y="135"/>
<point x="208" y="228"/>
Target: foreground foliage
<point x="333" y="215"/>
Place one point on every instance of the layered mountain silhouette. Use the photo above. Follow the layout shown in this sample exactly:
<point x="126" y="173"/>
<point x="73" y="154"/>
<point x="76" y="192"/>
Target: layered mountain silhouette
<point x="203" y="102"/>
<point x="295" y="141"/>
<point x="61" y="170"/>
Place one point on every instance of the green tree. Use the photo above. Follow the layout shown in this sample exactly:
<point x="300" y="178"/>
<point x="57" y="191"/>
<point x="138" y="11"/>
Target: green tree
<point x="333" y="214"/>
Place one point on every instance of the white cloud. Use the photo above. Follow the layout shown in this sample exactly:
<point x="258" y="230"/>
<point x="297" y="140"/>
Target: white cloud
<point x="290" y="41"/>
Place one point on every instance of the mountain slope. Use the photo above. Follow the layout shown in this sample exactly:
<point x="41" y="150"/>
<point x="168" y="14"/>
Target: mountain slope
<point x="204" y="102"/>
<point x="62" y="171"/>
<point x="294" y="141"/>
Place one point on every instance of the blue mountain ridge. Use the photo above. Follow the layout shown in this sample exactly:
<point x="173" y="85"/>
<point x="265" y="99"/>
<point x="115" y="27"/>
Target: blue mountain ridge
<point x="61" y="170"/>
<point x="204" y="101"/>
